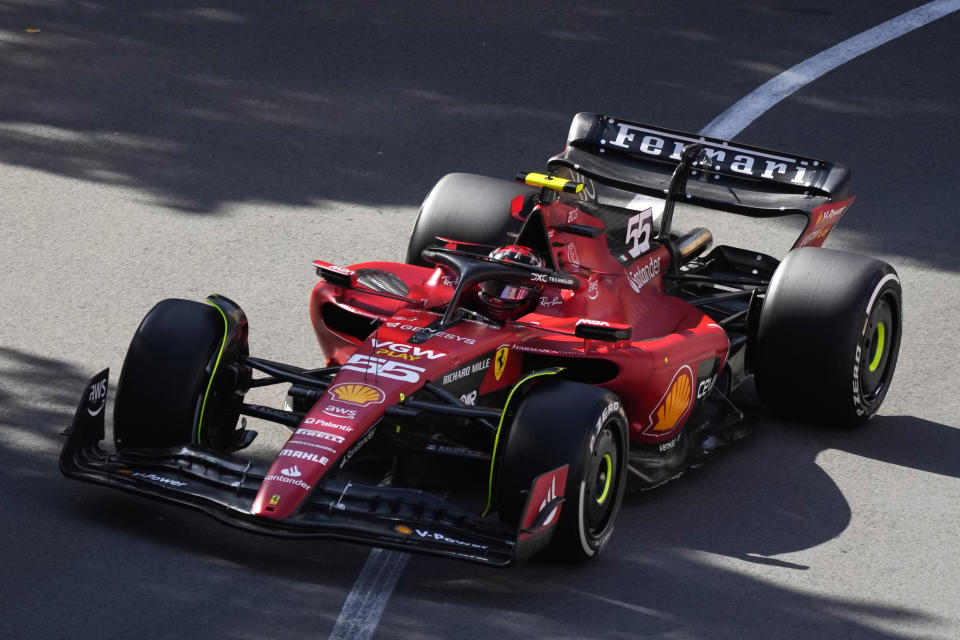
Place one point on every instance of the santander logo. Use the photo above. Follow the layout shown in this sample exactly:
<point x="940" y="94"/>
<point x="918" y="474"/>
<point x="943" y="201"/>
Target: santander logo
<point x="291" y="472"/>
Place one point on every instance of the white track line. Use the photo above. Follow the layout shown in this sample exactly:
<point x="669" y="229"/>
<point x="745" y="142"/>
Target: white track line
<point x="367" y="600"/>
<point x="736" y="118"/>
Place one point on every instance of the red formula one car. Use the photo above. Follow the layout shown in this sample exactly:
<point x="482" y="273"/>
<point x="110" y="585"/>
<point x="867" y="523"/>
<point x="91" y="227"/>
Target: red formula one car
<point x="541" y="346"/>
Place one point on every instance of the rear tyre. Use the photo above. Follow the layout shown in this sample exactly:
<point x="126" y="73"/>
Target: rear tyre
<point x="471" y="208"/>
<point x="562" y="422"/>
<point x="829" y="336"/>
<point x="165" y="396"/>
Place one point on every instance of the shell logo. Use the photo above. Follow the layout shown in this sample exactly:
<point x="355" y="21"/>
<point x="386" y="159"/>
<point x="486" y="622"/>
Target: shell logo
<point x="403" y="529"/>
<point x="358" y="394"/>
<point x="675" y="402"/>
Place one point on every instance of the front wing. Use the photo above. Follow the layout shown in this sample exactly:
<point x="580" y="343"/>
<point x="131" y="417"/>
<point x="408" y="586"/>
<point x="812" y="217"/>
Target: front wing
<point x="225" y="487"/>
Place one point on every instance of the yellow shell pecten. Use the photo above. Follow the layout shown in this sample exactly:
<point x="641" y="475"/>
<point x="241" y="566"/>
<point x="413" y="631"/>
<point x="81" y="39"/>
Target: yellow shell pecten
<point x="357" y="393"/>
<point x="674" y="404"/>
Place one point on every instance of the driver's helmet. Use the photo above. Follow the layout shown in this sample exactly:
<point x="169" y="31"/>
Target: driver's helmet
<point x="508" y="300"/>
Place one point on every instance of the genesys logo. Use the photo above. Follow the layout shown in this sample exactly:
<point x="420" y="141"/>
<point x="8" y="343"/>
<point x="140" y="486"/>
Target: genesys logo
<point x="439" y="334"/>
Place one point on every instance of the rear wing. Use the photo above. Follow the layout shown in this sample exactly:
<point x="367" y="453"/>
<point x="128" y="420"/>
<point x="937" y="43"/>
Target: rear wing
<point x="605" y="152"/>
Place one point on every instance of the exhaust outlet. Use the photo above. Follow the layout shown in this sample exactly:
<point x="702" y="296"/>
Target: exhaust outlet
<point x="693" y="243"/>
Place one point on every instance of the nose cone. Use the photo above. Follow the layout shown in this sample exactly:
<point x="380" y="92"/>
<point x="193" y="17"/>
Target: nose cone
<point x="341" y="420"/>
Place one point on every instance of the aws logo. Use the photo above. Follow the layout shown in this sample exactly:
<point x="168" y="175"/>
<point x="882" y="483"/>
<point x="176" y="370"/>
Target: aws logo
<point x="97" y="398"/>
<point x="340" y="412"/>
<point x="675" y="403"/>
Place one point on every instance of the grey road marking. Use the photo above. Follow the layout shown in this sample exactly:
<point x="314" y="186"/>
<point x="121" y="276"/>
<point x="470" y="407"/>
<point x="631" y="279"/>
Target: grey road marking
<point x="756" y="103"/>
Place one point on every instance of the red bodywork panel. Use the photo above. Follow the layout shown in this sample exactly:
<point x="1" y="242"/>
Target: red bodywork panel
<point x="822" y="220"/>
<point x="671" y="359"/>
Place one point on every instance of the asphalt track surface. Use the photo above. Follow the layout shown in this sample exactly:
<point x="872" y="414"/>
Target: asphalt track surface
<point x="185" y="149"/>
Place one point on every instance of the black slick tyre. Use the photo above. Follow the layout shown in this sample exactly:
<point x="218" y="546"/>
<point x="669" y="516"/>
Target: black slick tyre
<point x="561" y="422"/>
<point x="829" y="336"/>
<point x="165" y="396"/>
<point x="470" y="208"/>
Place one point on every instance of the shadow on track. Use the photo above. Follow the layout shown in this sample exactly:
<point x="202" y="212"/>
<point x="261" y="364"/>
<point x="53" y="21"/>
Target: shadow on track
<point x="761" y="497"/>
<point x="198" y="107"/>
<point x="764" y="497"/>
<point x="87" y="562"/>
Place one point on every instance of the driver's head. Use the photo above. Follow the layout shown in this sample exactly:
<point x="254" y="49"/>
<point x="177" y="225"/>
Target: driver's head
<point x="505" y="300"/>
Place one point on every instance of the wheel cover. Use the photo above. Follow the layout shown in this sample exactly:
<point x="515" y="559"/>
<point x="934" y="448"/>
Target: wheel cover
<point x="876" y="348"/>
<point x="600" y="482"/>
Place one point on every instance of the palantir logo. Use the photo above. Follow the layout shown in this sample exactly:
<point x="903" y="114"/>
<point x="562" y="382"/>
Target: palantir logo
<point x="291" y="472"/>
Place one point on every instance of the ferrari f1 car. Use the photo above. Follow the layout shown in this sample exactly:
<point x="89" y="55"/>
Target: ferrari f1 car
<point x="546" y="341"/>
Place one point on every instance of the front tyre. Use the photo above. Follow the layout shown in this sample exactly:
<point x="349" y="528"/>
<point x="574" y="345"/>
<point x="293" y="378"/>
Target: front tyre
<point x="181" y="381"/>
<point x="829" y="336"/>
<point x="561" y="422"/>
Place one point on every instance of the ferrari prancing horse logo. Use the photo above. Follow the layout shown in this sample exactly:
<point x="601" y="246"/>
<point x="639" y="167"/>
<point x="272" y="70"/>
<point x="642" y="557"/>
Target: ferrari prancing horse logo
<point x="500" y="361"/>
